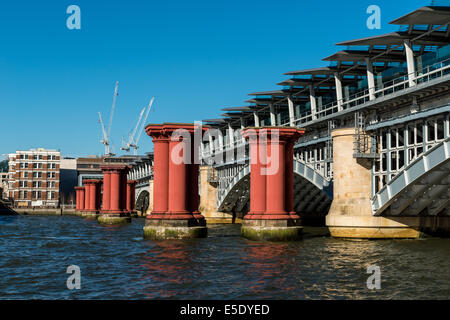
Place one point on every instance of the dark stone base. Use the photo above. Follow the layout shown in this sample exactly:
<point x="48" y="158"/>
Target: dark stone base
<point x="113" y="219"/>
<point x="134" y="214"/>
<point x="89" y="215"/>
<point x="164" y="229"/>
<point x="271" y="230"/>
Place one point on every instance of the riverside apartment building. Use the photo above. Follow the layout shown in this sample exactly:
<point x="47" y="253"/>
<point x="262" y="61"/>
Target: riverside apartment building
<point x="34" y="177"/>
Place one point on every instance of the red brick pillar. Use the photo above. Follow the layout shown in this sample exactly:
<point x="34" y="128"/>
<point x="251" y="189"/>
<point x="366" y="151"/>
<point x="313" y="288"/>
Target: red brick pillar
<point x="131" y="193"/>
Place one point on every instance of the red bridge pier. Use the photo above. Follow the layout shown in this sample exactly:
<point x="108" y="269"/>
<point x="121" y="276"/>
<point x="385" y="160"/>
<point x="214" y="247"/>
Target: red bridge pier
<point x="272" y="216"/>
<point x="114" y="204"/>
<point x="80" y="192"/>
<point x="92" y="198"/>
<point x="175" y="186"/>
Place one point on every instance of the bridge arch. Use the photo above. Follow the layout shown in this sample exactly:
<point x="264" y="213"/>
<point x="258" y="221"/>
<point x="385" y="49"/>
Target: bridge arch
<point x="313" y="192"/>
<point x="142" y="200"/>
<point x="421" y="189"/>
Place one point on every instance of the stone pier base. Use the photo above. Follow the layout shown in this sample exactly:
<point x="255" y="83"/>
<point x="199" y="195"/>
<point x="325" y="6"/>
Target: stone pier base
<point x="350" y="215"/>
<point x="165" y="229"/>
<point x="114" y="219"/>
<point x="387" y="227"/>
<point x="208" y="200"/>
<point x="271" y="230"/>
<point x="89" y="214"/>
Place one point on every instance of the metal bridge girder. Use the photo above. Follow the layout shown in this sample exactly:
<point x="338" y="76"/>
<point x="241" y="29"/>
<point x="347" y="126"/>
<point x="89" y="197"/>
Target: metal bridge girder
<point x="418" y="185"/>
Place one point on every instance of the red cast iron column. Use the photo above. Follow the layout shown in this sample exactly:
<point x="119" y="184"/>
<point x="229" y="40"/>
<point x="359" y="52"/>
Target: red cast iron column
<point x="115" y="192"/>
<point x="131" y="187"/>
<point x="275" y="179"/>
<point x="82" y="196"/>
<point x="106" y="189"/>
<point x="160" y="171"/>
<point x="114" y="188"/>
<point x="257" y="179"/>
<point x="178" y="180"/>
<point x="275" y="201"/>
<point x="87" y="197"/>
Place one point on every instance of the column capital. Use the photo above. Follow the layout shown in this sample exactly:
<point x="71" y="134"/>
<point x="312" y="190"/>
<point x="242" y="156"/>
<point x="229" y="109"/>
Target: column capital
<point x="162" y="132"/>
<point x="115" y="167"/>
<point x="284" y="133"/>
<point x="92" y="181"/>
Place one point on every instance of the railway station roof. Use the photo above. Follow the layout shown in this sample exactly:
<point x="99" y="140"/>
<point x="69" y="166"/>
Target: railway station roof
<point x="397" y="38"/>
<point x="360" y="55"/>
<point x="243" y="109"/>
<point x="425" y="15"/>
<point x="426" y="27"/>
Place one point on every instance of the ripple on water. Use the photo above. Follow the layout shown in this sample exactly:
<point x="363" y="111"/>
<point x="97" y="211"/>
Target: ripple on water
<point x="119" y="263"/>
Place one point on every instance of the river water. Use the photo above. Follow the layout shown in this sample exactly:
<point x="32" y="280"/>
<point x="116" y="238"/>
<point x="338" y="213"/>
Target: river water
<point x="117" y="263"/>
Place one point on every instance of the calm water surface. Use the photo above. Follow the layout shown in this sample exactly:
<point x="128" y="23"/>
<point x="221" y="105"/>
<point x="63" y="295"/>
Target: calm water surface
<point x="116" y="263"/>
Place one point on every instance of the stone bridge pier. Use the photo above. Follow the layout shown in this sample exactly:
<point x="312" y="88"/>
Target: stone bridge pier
<point x="350" y="215"/>
<point x="175" y="212"/>
<point x="114" y="204"/>
<point x="271" y="216"/>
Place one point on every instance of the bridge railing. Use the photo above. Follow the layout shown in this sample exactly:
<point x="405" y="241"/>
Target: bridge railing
<point x="436" y="70"/>
<point x="401" y="83"/>
<point x="432" y="158"/>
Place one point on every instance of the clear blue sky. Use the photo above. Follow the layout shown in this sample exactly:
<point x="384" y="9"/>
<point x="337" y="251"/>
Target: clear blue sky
<point x="196" y="57"/>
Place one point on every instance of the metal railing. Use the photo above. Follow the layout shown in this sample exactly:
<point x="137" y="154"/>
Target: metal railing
<point x="426" y="74"/>
<point x="401" y="83"/>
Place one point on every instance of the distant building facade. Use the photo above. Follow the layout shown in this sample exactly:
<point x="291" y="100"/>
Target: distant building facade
<point x="34" y="178"/>
<point x="88" y="168"/>
<point x="68" y="181"/>
<point x="3" y="185"/>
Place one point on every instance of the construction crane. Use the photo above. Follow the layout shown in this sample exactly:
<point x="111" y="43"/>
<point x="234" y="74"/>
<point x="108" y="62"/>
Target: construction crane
<point x="126" y="146"/>
<point x="133" y="141"/>
<point x="106" y="133"/>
